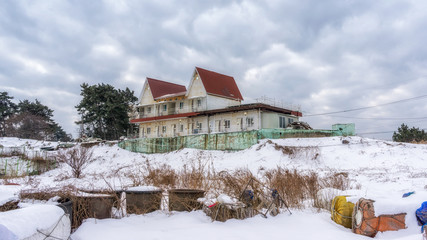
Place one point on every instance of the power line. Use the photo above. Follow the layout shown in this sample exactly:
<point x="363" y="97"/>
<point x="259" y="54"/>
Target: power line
<point x="375" y="132"/>
<point x="382" y="132"/>
<point x="386" y="118"/>
<point x="363" y="108"/>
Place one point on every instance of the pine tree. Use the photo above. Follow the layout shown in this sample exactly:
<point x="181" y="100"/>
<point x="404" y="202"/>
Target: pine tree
<point x="29" y="126"/>
<point x="7" y="109"/>
<point x="34" y="120"/>
<point x="104" y="111"/>
<point x="406" y="134"/>
<point x="35" y="108"/>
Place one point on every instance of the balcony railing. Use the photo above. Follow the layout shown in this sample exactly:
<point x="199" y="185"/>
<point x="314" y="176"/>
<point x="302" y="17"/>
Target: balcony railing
<point x="169" y="111"/>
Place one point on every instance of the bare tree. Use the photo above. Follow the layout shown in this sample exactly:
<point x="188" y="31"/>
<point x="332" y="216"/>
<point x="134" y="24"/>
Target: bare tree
<point x="78" y="158"/>
<point x="27" y="125"/>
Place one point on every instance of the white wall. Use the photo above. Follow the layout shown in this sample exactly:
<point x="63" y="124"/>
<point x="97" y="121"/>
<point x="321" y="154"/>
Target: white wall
<point x="147" y="97"/>
<point x="271" y="119"/>
<point x="214" y="102"/>
<point x="237" y="121"/>
<point x="157" y="126"/>
<point x="196" y="88"/>
<point x="209" y="124"/>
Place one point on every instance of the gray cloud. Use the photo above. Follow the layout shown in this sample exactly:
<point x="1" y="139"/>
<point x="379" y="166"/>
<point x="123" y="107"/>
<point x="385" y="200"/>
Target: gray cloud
<point x="322" y="55"/>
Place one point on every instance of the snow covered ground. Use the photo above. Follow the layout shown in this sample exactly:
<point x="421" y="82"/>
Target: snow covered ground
<point x="377" y="169"/>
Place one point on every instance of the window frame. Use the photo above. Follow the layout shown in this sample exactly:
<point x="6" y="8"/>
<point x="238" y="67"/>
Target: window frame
<point x="249" y="121"/>
<point x="227" y="123"/>
<point x="282" y="122"/>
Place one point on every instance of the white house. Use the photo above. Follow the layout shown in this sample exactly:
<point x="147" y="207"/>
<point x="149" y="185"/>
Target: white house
<point x="212" y="104"/>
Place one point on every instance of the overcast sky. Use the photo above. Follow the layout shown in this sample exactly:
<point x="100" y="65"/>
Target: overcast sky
<point x="323" y="56"/>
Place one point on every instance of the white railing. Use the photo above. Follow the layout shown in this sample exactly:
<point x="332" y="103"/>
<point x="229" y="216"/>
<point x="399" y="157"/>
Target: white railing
<point x="278" y="103"/>
<point x="177" y="110"/>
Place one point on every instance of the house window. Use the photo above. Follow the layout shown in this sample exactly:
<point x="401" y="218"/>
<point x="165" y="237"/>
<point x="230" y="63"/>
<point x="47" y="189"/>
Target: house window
<point x="199" y="102"/>
<point x="165" y="107"/>
<point x="282" y="122"/>
<point x="181" y="105"/>
<point x="163" y="129"/>
<point x="290" y="120"/>
<point x="148" y="131"/>
<point x="148" y="109"/>
<point x="227" y="123"/>
<point x="181" y="128"/>
<point x="249" y="121"/>
<point x="199" y="126"/>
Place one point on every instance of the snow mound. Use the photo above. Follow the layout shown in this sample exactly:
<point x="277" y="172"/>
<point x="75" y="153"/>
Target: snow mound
<point x="144" y="189"/>
<point x="36" y="221"/>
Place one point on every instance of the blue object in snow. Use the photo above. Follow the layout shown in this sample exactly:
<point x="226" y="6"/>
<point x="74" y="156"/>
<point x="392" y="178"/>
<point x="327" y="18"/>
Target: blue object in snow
<point x="274" y="193"/>
<point x="407" y="194"/>
<point x="421" y="214"/>
<point x="248" y="197"/>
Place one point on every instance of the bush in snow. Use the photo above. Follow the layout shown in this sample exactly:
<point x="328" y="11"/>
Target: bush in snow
<point x="77" y="158"/>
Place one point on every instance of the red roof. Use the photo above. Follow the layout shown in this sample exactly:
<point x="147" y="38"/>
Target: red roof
<point x="161" y="88"/>
<point x="219" y="84"/>
<point x="180" y="115"/>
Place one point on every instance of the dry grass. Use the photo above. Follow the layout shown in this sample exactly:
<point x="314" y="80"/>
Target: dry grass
<point x="234" y="183"/>
<point x="290" y="184"/>
<point x="11" y="205"/>
<point x="224" y="212"/>
<point x="192" y="177"/>
<point x="162" y="176"/>
<point x="47" y="193"/>
<point x="298" y="190"/>
<point x="297" y="187"/>
<point x="196" y="174"/>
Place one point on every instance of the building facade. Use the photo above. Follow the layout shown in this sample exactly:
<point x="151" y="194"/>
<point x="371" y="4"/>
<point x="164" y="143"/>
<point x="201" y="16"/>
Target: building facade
<point x="211" y="104"/>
